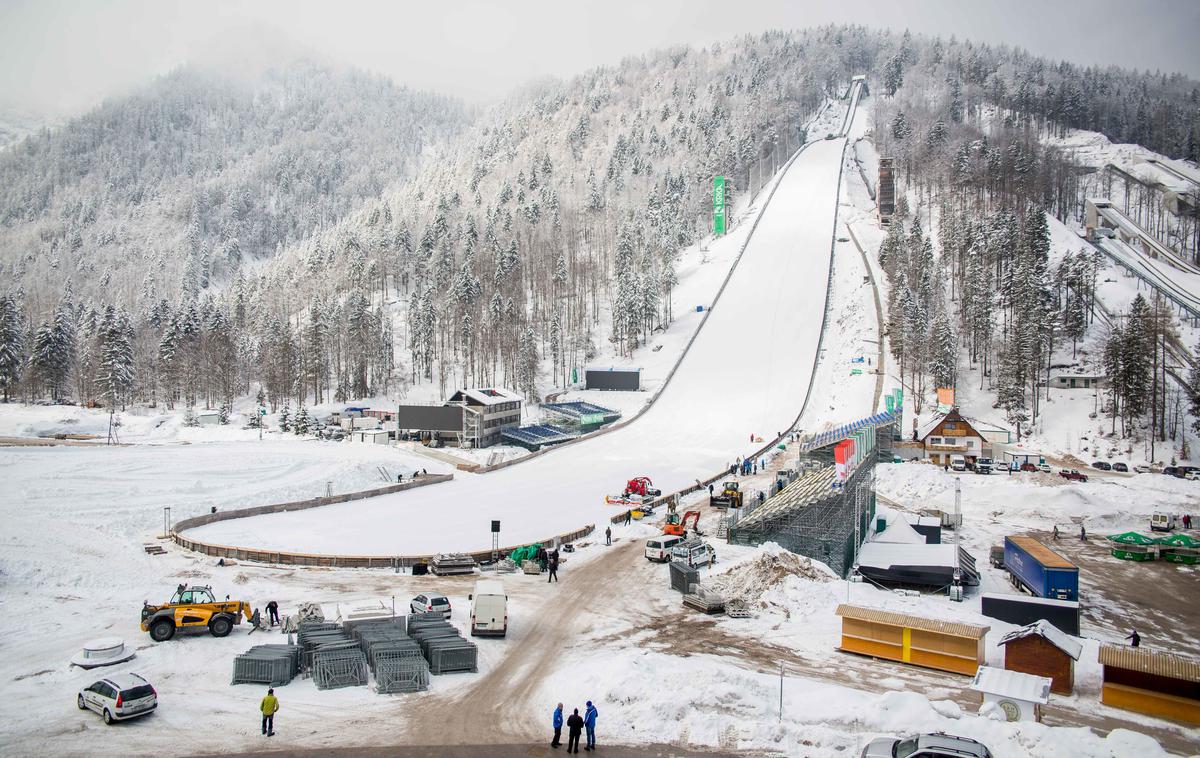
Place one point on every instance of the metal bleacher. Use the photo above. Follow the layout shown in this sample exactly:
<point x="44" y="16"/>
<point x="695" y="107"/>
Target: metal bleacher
<point x="537" y="435"/>
<point x="577" y="409"/>
<point x="845" y="430"/>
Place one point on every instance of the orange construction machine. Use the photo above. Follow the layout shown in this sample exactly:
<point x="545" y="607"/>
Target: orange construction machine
<point x="677" y="527"/>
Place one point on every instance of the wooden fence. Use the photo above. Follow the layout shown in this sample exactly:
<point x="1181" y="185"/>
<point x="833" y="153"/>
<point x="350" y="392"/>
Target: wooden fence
<point x="286" y="558"/>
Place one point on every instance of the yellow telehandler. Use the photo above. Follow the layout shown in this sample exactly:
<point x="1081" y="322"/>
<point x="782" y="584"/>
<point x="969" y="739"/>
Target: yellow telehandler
<point x="195" y="608"/>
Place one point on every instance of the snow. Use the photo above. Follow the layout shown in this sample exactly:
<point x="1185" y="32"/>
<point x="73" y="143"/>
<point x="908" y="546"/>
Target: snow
<point x="75" y="518"/>
<point x="701" y="422"/>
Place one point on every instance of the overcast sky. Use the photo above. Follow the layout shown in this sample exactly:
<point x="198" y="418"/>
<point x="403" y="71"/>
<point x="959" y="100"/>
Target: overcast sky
<point x="62" y="57"/>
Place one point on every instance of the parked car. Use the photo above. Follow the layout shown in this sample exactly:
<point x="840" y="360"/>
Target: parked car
<point x="1121" y="466"/>
<point x="1183" y="471"/>
<point x="937" y="745"/>
<point x="958" y="462"/>
<point x="984" y="466"/>
<point x="1102" y="465"/>
<point x="1027" y="466"/>
<point x="659" y="548"/>
<point x="1044" y="468"/>
<point x="430" y="603"/>
<point x="1171" y="471"/>
<point x="1073" y="475"/>
<point x="694" y="553"/>
<point x="119" y="697"/>
<point x="1142" y="469"/>
<point x="1191" y="476"/>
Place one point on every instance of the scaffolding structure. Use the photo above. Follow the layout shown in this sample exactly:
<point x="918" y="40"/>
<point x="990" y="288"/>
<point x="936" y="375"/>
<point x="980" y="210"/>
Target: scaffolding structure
<point x="820" y="514"/>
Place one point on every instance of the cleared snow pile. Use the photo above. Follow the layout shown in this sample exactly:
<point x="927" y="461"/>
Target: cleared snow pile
<point x="773" y="565"/>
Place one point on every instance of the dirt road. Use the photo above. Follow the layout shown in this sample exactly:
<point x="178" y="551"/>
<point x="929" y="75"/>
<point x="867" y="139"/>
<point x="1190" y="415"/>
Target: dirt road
<point x="494" y="711"/>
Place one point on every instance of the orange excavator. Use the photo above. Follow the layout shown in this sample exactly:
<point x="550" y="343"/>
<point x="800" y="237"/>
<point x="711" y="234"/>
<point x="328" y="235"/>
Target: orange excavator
<point x="677" y="527"/>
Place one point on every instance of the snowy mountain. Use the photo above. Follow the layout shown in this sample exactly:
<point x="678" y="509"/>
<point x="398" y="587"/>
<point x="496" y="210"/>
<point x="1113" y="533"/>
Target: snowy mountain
<point x="181" y="183"/>
<point x="504" y="252"/>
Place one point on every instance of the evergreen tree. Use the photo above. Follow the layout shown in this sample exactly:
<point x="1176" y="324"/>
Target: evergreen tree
<point x="944" y="354"/>
<point x="285" y="418"/>
<point x="302" y="423"/>
<point x="116" y="357"/>
<point x="54" y="351"/>
<point x="12" y="345"/>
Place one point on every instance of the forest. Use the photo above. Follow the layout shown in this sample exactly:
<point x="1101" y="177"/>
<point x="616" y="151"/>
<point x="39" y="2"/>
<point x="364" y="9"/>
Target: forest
<point x="194" y="240"/>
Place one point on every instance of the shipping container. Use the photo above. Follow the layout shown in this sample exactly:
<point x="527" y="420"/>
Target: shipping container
<point x="1040" y="570"/>
<point x="1022" y="610"/>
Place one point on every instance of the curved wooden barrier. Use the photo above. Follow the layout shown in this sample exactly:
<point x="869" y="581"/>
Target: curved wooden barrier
<point x="317" y="559"/>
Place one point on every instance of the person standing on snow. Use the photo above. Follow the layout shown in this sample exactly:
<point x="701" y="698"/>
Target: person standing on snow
<point x="608" y="535"/>
<point x="557" y="721"/>
<point x="574" y="727"/>
<point x="553" y="569"/>
<point x="1135" y="639"/>
<point x="269" y="707"/>
<point x="273" y="612"/>
<point x="628" y="516"/>
<point x="589" y="720"/>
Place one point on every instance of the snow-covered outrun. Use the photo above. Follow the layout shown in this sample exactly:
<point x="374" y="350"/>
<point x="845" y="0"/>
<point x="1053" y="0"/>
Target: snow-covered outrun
<point x="201" y="263"/>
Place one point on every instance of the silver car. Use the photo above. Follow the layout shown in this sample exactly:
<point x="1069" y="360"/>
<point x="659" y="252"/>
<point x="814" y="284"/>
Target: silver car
<point x="119" y="697"/>
<point x="937" y="745"/>
<point x="430" y="603"/>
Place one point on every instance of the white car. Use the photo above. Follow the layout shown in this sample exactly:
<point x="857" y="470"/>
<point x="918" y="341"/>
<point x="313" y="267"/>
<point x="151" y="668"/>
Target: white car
<point x="936" y="745"/>
<point x="430" y="603"/>
<point x="1044" y="468"/>
<point x="119" y="697"/>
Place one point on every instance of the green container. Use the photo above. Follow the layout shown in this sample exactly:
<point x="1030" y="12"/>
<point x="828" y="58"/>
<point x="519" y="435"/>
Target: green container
<point x="1179" y="555"/>
<point x="1126" y="554"/>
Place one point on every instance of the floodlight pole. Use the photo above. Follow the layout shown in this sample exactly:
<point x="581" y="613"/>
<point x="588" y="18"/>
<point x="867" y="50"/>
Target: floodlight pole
<point x="166" y="520"/>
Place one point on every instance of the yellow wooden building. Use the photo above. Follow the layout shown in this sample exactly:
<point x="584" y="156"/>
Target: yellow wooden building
<point x="943" y="645"/>
<point x="1157" y="684"/>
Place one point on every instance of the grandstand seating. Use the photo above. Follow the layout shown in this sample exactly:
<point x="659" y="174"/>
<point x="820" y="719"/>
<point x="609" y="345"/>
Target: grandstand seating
<point x="537" y="435"/>
<point x="834" y="436"/>
<point x="576" y="409"/>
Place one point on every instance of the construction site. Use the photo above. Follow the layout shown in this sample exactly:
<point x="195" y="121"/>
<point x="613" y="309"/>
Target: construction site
<point x="743" y="566"/>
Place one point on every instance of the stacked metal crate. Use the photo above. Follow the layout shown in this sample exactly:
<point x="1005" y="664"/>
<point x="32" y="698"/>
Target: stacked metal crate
<point x="331" y="657"/>
<point x="273" y="665"/>
<point x="395" y="659"/>
<point x="683" y="577"/>
<point x="443" y="646"/>
<point x="451" y="564"/>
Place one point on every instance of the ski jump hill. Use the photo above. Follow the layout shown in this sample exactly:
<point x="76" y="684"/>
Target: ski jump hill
<point x="746" y="372"/>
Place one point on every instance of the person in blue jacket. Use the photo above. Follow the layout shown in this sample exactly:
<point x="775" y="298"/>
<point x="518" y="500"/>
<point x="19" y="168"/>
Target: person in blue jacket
<point x="589" y="723"/>
<point x="558" y="723"/>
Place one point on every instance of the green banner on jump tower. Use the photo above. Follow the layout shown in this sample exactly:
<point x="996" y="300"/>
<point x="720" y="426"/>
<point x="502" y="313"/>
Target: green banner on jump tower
<point x="718" y="205"/>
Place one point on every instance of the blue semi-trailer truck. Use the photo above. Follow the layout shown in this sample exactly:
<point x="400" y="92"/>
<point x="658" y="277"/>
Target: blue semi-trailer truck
<point x="1040" y="570"/>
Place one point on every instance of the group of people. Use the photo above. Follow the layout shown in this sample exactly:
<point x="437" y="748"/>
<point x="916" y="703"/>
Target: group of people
<point x="747" y="466"/>
<point x="575" y="726"/>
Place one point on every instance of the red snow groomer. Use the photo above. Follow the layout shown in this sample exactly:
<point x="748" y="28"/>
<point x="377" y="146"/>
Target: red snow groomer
<point x="637" y="491"/>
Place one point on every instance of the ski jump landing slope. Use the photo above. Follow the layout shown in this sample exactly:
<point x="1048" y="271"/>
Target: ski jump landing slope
<point x="746" y="373"/>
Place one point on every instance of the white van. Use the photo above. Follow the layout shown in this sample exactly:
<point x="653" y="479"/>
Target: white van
<point x="489" y="609"/>
<point x="1162" y="522"/>
<point x="659" y="548"/>
<point x="958" y="463"/>
<point x="694" y="553"/>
